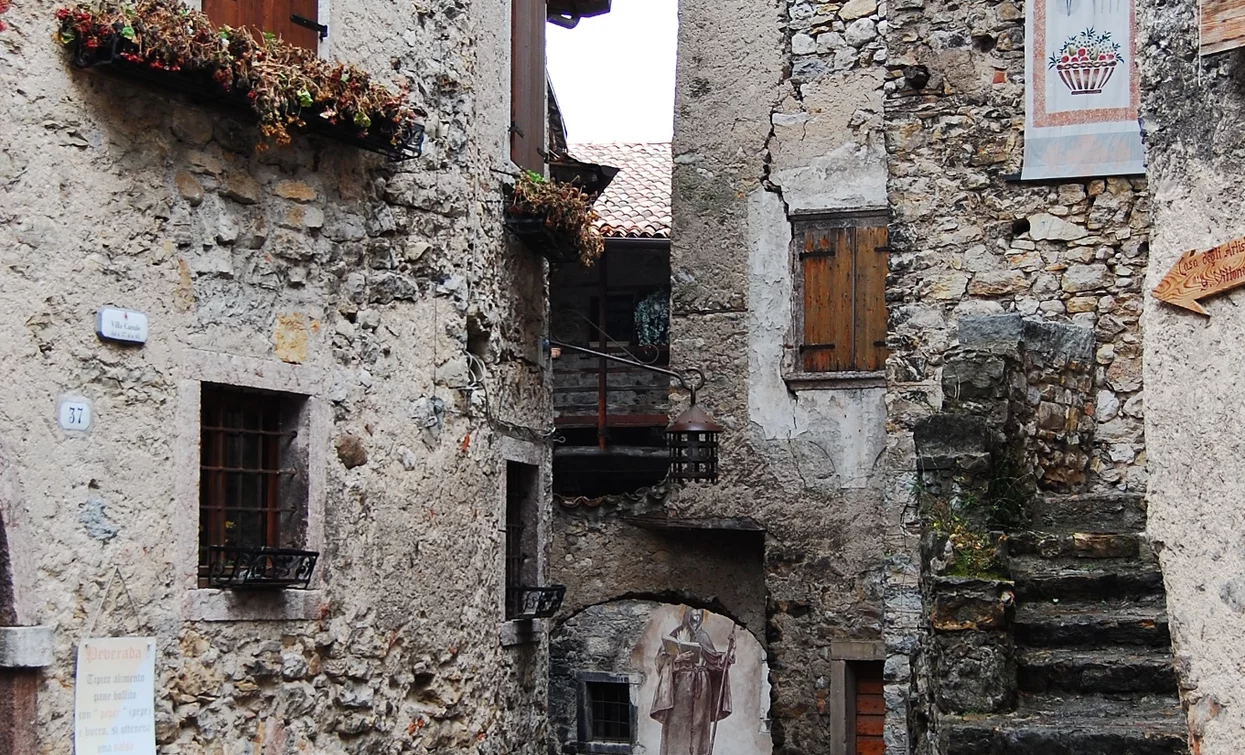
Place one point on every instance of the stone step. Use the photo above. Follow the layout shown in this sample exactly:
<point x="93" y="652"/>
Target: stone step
<point x="1039" y="578"/>
<point x="1052" y="725"/>
<point x="1077" y="545"/>
<point x="1045" y="623"/>
<point x="1089" y="512"/>
<point x="1110" y="670"/>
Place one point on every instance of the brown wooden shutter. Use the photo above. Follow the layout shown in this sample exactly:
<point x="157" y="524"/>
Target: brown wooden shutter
<point x="871" y="268"/>
<point x="826" y="259"/>
<point x="528" y="115"/>
<point x="1222" y="26"/>
<point x="869" y="710"/>
<point x="272" y="16"/>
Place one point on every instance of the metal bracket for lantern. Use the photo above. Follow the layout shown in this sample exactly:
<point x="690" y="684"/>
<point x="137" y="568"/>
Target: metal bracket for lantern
<point x="692" y="438"/>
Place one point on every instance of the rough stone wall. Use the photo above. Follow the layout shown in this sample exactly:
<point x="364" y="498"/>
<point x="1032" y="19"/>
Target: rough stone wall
<point x="969" y="240"/>
<point x="778" y="113"/>
<point x="1192" y="111"/>
<point x="315" y="268"/>
<point x="599" y="556"/>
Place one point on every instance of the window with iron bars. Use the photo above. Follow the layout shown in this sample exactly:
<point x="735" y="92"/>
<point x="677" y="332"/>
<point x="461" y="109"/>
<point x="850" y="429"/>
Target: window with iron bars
<point x="252" y="480"/>
<point x="607" y="719"/>
<point x="522" y="513"/>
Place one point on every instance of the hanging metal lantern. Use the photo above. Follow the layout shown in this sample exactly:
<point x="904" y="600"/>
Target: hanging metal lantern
<point x="693" y="442"/>
<point x="692" y="438"/>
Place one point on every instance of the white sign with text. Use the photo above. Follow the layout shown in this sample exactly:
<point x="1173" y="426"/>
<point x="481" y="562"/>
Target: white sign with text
<point x="114" y="697"/>
<point x="123" y="325"/>
<point x="74" y="413"/>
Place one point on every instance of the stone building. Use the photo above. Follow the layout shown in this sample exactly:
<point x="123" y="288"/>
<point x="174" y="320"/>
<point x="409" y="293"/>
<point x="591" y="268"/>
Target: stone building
<point x="929" y="376"/>
<point x="366" y="327"/>
<point x="1191" y="110"/>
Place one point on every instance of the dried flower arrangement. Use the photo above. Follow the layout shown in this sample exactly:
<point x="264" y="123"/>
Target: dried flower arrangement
<point x="284" y="85"/>
<point x="563" y="207"/>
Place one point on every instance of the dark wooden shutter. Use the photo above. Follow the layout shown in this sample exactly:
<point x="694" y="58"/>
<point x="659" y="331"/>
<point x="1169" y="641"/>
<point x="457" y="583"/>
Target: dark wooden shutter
<point x="272" y="16"/>
<point x="869" y="710"/>
<point x="871" y="268"/>
<point x="527" y="84"/>
<point x="826" y="260"/>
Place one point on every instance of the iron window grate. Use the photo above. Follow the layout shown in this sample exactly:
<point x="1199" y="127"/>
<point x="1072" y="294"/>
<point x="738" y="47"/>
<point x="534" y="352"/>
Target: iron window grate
<point x="240" y="471"/>
<point x="609" y="711"/>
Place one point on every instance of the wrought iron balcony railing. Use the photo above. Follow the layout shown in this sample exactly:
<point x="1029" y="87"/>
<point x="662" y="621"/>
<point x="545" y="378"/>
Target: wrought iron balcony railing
<point x="536" y="602"/>
<point x="260" y="568"/>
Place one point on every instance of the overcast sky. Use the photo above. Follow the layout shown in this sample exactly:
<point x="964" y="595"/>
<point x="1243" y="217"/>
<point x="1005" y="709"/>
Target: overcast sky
<point x="614" y="74"/>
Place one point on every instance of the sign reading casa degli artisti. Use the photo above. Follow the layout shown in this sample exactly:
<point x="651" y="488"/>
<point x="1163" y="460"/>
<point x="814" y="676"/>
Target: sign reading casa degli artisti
<point x="1197" y="276"/>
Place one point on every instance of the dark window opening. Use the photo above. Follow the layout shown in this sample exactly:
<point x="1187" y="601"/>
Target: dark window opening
<point x="609" y="711"/>
<point x="522" y="516"/>
<point x="252" y="479"/>
<point x="607" y="719"/>
<point x="619" y="319"/>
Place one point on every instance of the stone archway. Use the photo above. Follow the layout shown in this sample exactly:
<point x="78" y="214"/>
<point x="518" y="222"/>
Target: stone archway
<point x="621" y="642"/>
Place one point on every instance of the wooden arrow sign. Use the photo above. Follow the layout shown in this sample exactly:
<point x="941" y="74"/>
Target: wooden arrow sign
<point x="1197" y="276"/>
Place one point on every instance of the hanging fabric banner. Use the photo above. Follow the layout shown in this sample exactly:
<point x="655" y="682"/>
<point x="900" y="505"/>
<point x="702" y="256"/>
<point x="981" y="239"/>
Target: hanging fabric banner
<point x="1082" y="93"/>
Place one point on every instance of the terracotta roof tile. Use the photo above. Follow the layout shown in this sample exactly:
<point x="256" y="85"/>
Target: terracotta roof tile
<point x="636" y="205"/>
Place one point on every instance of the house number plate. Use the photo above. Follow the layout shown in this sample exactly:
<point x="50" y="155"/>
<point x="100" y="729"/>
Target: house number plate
<point x="74" y="413"/>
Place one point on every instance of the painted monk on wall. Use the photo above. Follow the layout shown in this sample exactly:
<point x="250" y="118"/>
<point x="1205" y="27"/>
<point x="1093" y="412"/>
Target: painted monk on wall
<point x="693" y="687"/>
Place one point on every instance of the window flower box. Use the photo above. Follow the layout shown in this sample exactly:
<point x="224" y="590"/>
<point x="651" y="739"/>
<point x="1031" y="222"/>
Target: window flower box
<point x="555" y="219"/>
<point x="285" y="88"/>
<point x="537" y="236"/>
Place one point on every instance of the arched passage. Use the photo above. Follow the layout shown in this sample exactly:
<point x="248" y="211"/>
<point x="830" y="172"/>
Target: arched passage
<point x="676" y="673"/>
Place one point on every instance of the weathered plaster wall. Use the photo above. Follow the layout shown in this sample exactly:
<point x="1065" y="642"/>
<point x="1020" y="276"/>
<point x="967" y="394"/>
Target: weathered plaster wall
<point x="365" y="285"/>
<point x="778" y="113"/>
<point x="1192" y="115"/>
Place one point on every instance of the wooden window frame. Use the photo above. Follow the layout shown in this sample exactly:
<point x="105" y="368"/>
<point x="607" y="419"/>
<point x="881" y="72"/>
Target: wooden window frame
<point x="282" y="493"/>
<point x="794" y="367"/>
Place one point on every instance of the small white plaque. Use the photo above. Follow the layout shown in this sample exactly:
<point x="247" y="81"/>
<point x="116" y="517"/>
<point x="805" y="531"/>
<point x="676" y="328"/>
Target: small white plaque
<point x="74" y="413"/>
<point x="125" y="325"/>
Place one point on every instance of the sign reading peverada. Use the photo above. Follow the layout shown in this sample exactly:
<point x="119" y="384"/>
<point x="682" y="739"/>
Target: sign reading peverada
<point x="1197" y="276"/>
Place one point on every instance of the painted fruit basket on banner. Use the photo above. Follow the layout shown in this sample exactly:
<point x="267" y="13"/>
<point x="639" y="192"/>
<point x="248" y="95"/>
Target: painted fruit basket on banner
<point x="1086" y="61"/>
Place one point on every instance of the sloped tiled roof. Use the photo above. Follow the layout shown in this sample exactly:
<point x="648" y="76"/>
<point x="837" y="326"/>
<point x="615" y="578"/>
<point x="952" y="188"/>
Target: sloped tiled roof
<point x="636" y="205"/>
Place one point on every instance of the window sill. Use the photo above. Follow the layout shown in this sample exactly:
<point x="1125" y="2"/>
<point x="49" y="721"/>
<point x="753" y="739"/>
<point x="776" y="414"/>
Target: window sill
<point x="521" y="632"/>
<point x="605" y="748"/>
<point x="206" y="604"/>
<point x="829" y="381"/>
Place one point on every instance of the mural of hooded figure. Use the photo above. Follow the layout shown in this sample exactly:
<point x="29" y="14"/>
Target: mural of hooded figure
<point x="693" y="687"/>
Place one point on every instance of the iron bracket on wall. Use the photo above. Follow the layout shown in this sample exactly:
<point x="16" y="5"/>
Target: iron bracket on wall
<point x="307" y="23"/>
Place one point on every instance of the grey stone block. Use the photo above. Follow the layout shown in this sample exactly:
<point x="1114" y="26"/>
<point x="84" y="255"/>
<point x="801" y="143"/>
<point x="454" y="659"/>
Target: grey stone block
<point x="25" y="647"/>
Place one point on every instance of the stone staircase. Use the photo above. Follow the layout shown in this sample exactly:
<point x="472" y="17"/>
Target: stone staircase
<point x="1093" y="651"/>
